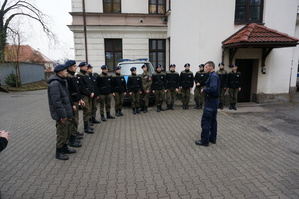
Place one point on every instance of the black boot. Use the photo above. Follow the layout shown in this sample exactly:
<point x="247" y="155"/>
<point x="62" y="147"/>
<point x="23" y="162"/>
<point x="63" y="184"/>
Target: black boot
<point x="89" y="126"/>
<point x="145" y="109"/>
<point x="67" y="150"/>
<point x="79" y="137"/>
<point x="134" y="111"/>
<point x="109" y="116"/>
<point x="87" y="129"/>
<point x="137" y="111"/>
<point x="80" y="134"/>
<point x="90" y="122"/>
<point x="120" y="113"/>
<point x="103" y="118"/>
<point x="60" y="154"/>
<point x="171" y="107"/>
<point x="200" y="106"/>
<point x="161" y="108"/>
<point x="141" y="109"/>
<point x="73" y="142"/>
<point x="196" y="106"/>
<point x="158" y="109"/>
<point x="187" y="106"/>
<point x="230" y="106"/>
<point x="117" y="113"/>
<point x="234" y="106"/>
<point x="221" y="105"/>
<point x="95" y="121"/>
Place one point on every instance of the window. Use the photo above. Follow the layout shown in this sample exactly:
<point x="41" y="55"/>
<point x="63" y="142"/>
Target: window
<point x="157" y="6"/>
<point x="112" y="6"/>
<point x="249" y="11"/>
<point x="113" y="52"/>
<point x="157" y="52"/>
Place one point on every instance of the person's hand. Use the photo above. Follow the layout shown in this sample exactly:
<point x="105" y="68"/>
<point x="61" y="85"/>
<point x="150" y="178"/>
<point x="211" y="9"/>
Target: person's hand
<point x="74" y="108"/>
<point x="140" y="92"/>
<point x="125" y="93"/>
<point x="62" y="120"/>
<point x="91" y="95"/>
<point x="153" y="91"/>
<point x="201" y="90"/>
<point x="165" y="91"/>
<point x="190" y="88"/>
<point x="113" y="94"/>
<point x="147" y="91"/>
<point x="197" y="84"/>
<point x="176" y="90"/>
<point x="130" y="93"/>
<point x="82" y="103"/>
<point x="240" y="89"/>
<point x="4" y="134"/>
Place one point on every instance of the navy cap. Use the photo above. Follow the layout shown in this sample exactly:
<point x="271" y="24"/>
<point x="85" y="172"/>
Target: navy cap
<point x="82" y="64"/>
<point x="234" y="65"/>
<point x="143" y="66"/>
<point x="158" y="66"/>
<point x="118" y="67"/>
<point x="133" y="68"/>
<point x="187" y="64"/>
<point x="172" y="65"/>
<point x="221" y="64"/>
<point x="104" y="67"/>
<point x="201" y="65"/>
<point x="89" y="66"/>
<point x="70" y="63"/>
<point x="60" y="68"/>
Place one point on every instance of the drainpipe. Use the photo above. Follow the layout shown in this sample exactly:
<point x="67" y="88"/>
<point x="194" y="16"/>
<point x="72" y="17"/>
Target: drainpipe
<point x="85" y="32"/>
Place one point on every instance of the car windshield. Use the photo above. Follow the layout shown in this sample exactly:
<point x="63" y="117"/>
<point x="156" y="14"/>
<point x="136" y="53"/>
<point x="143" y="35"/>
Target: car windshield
<point x="125" y="68"/>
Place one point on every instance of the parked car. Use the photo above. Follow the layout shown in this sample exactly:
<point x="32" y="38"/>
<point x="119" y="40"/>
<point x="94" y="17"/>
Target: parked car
<point x="126" y="64"/>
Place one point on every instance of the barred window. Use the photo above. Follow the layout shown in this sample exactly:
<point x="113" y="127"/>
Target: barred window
<point x="249" y="11"/>
<point x="112" y="6"/>
<point x="157" y="6"/>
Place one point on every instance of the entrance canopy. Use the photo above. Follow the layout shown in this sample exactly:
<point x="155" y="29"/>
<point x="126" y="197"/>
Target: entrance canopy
<point x="257" y="36"/>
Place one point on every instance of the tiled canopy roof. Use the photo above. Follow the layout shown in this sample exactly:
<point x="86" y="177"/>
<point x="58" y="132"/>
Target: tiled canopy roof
<point x="259" y="36"/>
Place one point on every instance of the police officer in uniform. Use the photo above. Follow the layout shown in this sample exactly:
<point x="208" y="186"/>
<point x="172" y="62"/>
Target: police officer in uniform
<point x="186" y="84"/>
<point x="87" y="92"/>
<point x="104" y="82"/>
<point x="234" y="86"/>
<point x="209" y="116"/>
<point x="146" y="85"/>
<point x="172" y="81"/>
<point x="119" y="89"/>
<point x="94" y="100"/>
<point x="223" y="84"/>
<point x="200" y="82"/>
<point x="134" y="89"/>
<point x="159" y="87"/>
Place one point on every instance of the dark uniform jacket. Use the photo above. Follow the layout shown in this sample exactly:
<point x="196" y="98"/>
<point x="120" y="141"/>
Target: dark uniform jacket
<point x="146" y="81"/>
<point x="104" y="83"/>
<point x="73" y="86"/>
<point x="134" y="83"/>
<point x="94" y="84"/>
<point x="172" y="80"/>
<point x="119" y="84"/>
<point x="223" y="78"/>
<point x="212" y="89"/>
<point x="234" y="80"/>
<point x="59" y="98"/>
<point x="159" y="81"/>
<point x="3" y="143"/>
<point x="201" y="77"/>
<point x="85" y="83"/>
<point x="186" y="79"/>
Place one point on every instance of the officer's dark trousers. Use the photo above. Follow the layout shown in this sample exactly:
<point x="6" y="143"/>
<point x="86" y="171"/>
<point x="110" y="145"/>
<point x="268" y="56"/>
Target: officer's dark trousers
<point x="209" y="121"/>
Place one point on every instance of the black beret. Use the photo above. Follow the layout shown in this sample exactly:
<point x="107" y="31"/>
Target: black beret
<point x="82" y="64"/>
<point x="221" y="64"/>
<point x="133" y="68"/>
<point x="118" y="67"/>
<point x="143" y="66"/>
<point x="187" y="64"/>
<point x="59" y="68"/>
<point x="104" y="67"/>
<point x="172" y="65"/>
<point x="201" y="65"/>
<point x="234" y="65"/>
<point x="70" y="63"/>
<point x="158" y="66"/>
<point x="89" y="66"/>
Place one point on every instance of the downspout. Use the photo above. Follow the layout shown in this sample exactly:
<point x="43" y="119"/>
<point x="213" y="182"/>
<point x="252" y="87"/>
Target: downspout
<point x="85" y="32"/>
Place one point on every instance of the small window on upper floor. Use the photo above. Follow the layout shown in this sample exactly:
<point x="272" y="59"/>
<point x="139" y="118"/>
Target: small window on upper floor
<point x="112" y="6"/>
<point x="157" y="6"/>
<point x="249" y="11"/>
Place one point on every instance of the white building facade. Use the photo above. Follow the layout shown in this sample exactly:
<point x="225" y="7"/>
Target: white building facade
<point x="191" y="31"/>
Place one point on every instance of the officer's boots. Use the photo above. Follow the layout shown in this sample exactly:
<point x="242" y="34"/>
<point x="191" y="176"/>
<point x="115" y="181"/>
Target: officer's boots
<point x="117" y="113"/>
<point x="120" y="113"/>
<point x="145" y="109"/>
<point x="90" y="122"/>
<point x="171" y="107"/>
<point x="95" y="121"/>
<point x="230" y="106"/>
<point x="68" y="150"/>
<point x="200" y="106"/>
<point x="73" y="142"/>
<point x="134" y="111"/>
<point x="137" y="111"/>
<point x="109" y="116"/>
<point x="161" y="108"/>
<point x="221" y="105"/>
<point x="158" y="109"/>
<point x="234" y="106"/>
<point x="87" y="129"/>
<point x="80" y="134"/>
<point x="60" y="154"/>
<point x="187" y="106"/>
<point x="79" y="137"/>
<point x="141" y="109"/>
<point x="103" y="118"/>
<point x="196" y="106"/>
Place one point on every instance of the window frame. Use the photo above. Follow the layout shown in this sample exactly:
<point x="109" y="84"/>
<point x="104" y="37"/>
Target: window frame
<point x="111" y="7"/>
<point x="247" y="14"/>
<point x="156" y="51"/>
<point x="113" y="51"/>
<point x="157" y="7"/>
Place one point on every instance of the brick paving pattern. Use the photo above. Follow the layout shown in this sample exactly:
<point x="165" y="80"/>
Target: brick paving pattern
<point x="150" y="155"/>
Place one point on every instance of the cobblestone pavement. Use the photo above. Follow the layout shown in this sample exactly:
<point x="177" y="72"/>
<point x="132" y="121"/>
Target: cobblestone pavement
<point x="149" y="155"/>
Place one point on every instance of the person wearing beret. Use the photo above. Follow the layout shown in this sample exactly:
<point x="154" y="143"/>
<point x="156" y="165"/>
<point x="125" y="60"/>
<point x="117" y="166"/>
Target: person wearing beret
<point x="4" y="137"/>
<point x="234" y="86"/>
<point x="61" y="110"/>
<point x="94" y="100"/>
<point x="135" y="89"/>
<point x="104" y="83"/>
<point x="172" y="80"/>
<point x="87" y="92"/>
<point x="119" y="89"/>
<point x="186" y="84"/>
<point x="159" y="87"/>
<point x="200" y="82"/>
<point x="223" y="84"/>
<point x="146" y="85"/>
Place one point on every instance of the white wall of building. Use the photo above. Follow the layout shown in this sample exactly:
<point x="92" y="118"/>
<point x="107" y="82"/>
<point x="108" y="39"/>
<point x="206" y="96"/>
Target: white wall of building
<point x="134" y="6"/>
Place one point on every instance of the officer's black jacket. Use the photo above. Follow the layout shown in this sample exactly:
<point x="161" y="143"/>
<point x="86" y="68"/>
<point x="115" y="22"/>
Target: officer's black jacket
<point x="104" y="83"/>
<point x="73" y="86"/>
<point x="94" y="84"/>
<point x="85" y="83"/>
<point x="159" y="81"/>
<point x="186" y="79"/>
<point x="172" y="79"/>
<point x="134" y="83"/>
<point x="234" y="80"/>
<point x="119" y="84"/>
<point x="201" y="77"/>
<point x="223" y="77"/>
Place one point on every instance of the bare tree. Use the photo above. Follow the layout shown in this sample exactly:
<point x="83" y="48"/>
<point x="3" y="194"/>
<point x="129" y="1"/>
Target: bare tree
<point x="11" y="9"/>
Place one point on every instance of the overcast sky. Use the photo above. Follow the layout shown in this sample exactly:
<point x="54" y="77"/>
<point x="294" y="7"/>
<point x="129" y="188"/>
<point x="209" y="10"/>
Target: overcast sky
<point x="32" y="34"/>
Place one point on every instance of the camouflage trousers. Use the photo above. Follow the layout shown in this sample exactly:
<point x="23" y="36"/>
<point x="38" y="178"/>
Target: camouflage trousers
<point x="159" y="97"/>
<point x="74" y="122"/>
<point x="119" y="100"/>
<point x="222" y="94"/>
<point x="170" y="96"/>
<point x="63" y="132"/>
<point x="233" y="95"/>
<point x="105" y="103"/>
<point x="93" y="106"/>
<point x="144" y="99"/>
<point x="135" y="99"/>
<point x="86" y="108"/>
<point x="199" y="97"/>
<point x="185" y="95"/>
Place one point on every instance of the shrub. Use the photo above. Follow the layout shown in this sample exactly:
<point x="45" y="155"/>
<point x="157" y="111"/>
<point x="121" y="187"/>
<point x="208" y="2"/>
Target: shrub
<point x="12" y="80"/>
